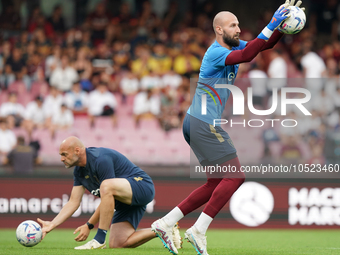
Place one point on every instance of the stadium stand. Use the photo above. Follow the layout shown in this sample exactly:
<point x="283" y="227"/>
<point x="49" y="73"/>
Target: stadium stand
<point x="128" y="46"/>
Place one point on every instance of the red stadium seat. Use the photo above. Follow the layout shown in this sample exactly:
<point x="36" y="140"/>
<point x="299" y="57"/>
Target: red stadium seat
<point x="39" y="89"/>
<point x="3" y="97"/>
<point x="17" y="87"/>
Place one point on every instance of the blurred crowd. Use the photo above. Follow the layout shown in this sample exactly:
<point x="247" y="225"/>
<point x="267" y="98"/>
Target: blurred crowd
<point x="51" y="73"/>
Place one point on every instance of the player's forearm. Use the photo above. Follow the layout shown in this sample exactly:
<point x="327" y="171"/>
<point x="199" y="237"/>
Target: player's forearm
<point x="65" y="213"/>
<point x="247" y="54"/>
<point x="95" y="217"/>
<point x="276" y="36"/>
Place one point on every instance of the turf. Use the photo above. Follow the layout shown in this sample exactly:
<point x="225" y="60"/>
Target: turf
<point x="219" y="242"/>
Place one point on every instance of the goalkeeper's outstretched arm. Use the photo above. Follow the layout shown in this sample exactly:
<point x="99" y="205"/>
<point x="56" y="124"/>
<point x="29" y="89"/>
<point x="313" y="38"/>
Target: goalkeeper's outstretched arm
<point x="255" y="46"/>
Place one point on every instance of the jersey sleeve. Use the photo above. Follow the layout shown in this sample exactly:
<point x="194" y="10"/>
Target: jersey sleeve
<point x="76" y="181"/>
<point x="218" y="55"/>
<point x="105" y="168"/>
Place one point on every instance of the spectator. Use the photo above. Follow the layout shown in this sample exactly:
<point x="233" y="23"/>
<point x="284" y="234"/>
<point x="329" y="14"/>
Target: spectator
<point x="144" y="63"/>
<point x="35" y="64"/>
<point x="164" y="62"/>
<point x="41" y="23"/>
<point x="151" y="81"/>
<point x="171" y="79"/>
<point x="290" y="151"/>
<point x="62" y="119"/>
<point x="15" y="67"/>
<point x="35" y="13"/>
<point x="121" y="60"/>
<point x="323" y="20"/>
<point x="123" y="22"/>
<point x="22" y="157"/>
<point x="53" y="61"/>
<point x="172" y="16"/>
<point x="10" y="19"/>
<point x="82" y="65"/>
<point x="186" y="63"/>
<point x="168" y="117"/>
<point x="43" y="44"/>
<point x="102" y="60"/>
<point x="23" y="43"/>
<point x="313" y="67"/>
<point x="7" y="138"/>
<point x="129" y="85"/>
<point x="99" y="20"/>
<point x="13" y="111"/>
<point x="149" y="22"/>
<point x="323" y="103"/>
<point x="277" y="70"/>
<point x="102" y="103"/>
<point x="331" y="76"/>
<point x="317" y="157"/>
<point x="64" y="76"/>
<point x="146" y="104"/>
<point x="52" y="102"/>
<point x="258" y="80"/>
<point x="35" y="116"/>
<point x="77" y="99"/>
<point x="85" y="40"/>
<point x="57" y="20"/>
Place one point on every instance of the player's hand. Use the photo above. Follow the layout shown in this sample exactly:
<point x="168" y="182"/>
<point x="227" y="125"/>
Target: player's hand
<point x="279" y="16"/>
<point x="47" y="226"/>
<point x="84" y="232"/>
<point x="291" y="3"/>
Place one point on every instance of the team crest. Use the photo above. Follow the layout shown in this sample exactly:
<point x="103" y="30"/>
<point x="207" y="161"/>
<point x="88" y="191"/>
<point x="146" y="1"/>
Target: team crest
<point x="137" y="179"/>
<point x="231" y="143"/>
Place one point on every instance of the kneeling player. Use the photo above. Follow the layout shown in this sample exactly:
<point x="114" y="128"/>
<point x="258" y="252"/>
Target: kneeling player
<point x="121" y="185"/>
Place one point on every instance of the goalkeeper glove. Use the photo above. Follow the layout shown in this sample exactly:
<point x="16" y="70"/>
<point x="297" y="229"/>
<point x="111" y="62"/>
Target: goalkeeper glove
<point x="279" y="16"/>
<point x="291" y="3"/>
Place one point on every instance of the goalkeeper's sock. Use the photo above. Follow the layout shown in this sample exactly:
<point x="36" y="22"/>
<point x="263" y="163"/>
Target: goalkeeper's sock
<point x="101" y="235"/>
<point x="173" y="216"/>
<point x="203" y="223"/>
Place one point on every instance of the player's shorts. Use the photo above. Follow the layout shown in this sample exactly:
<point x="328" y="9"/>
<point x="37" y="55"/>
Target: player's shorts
<point x="211" y="145"/>
<point x="143" y="192"/>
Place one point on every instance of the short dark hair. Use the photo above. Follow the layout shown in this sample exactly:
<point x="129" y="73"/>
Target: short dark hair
<point x="21" y="140"/>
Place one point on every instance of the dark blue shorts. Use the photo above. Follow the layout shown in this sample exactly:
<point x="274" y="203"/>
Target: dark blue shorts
<point x="143" y="192"/>
<point x="211" y="145"/>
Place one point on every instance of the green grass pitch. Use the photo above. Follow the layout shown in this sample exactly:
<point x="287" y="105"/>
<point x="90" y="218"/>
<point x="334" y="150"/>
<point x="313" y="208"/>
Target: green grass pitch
<point x="219" y="242"/>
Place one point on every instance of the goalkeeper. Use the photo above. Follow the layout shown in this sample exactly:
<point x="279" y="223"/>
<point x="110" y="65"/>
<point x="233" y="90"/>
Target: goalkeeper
<point x="211" y="144"/>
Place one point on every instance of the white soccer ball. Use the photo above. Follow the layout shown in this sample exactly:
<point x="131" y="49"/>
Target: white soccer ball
<point x="29" y="233"/>
<point x="295" y="23"/>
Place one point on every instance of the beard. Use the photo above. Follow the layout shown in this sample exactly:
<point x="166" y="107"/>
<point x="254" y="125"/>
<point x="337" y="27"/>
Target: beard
<point x="73" y="162"/>
<point x="232" y="42"/>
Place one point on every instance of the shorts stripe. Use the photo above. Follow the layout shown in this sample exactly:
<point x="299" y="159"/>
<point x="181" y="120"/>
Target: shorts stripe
<point x="218" y="135"/>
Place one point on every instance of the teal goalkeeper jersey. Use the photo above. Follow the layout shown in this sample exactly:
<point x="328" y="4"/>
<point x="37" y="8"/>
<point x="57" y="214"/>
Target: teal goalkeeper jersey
<point x="214" y="71"/>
